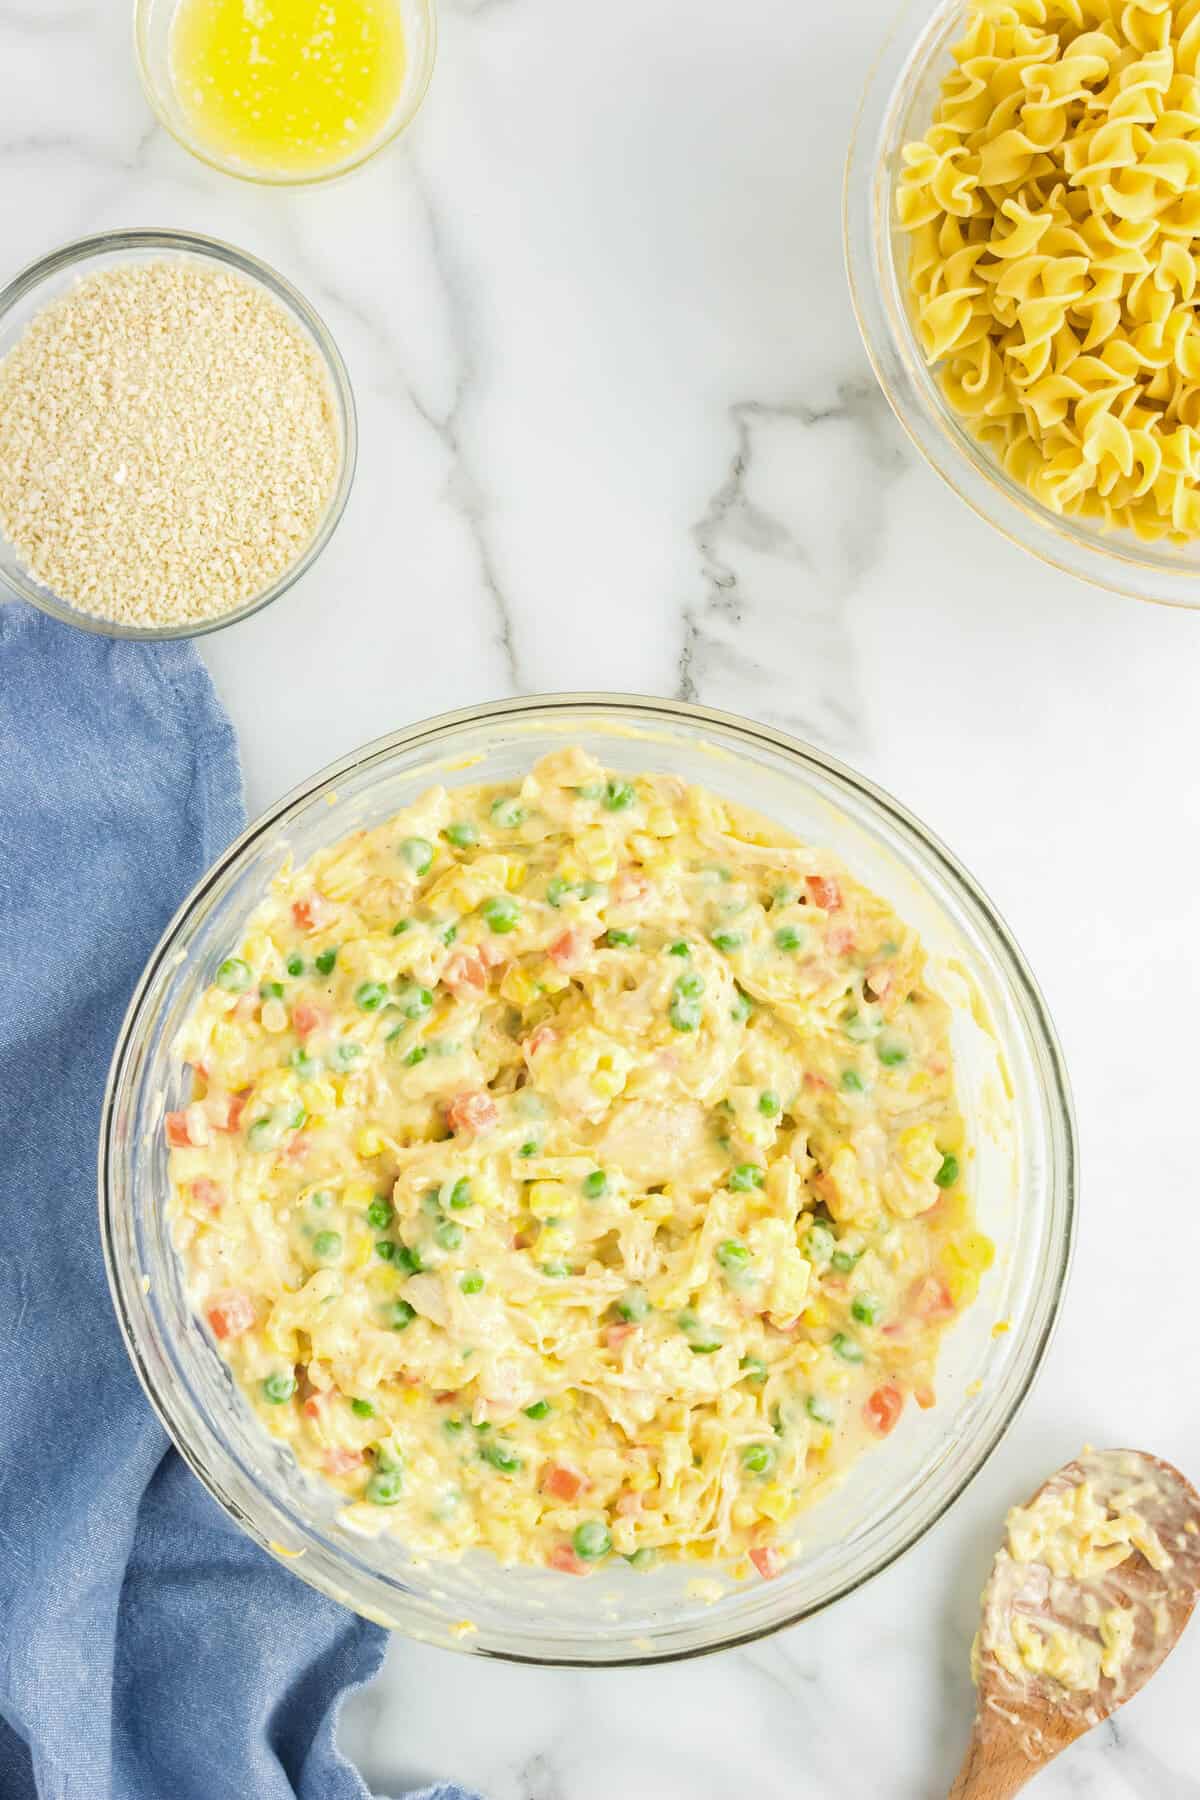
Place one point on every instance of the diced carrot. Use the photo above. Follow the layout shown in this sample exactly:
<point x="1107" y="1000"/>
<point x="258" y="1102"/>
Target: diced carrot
<point x="932" y="1299"/>
<point x="473" y="1112"/>
<point x="491" y="955"/>
<point x="570" y="948"/>
<point x="629" y="1505"/>
<point x="312" y="912"/>
<point x="825" y="892"/>
<point x="178" y="1134"/>
<point x="629" y="887"/>
<point x="840" y="941"/>
<point x="314" y="1403"/>
<point x="340" y="1462"/>
<point x="815" y="1083"/>
<point x="209" y="1194"/>
<point x="615" y="1335"/>
<point x="225" y="1110"/>
<point x="307" y="1018"/>
<point x="883" y="1408"/>
<point x="564" y="1559"/>
<point x="231" y="1315"/>
<point x="465" y="974"/>
<point x="767" y="1560"/>
<point x="541" y="1039"/>
<point x="561" y="1482"/>
<point x="925" y="1398"/>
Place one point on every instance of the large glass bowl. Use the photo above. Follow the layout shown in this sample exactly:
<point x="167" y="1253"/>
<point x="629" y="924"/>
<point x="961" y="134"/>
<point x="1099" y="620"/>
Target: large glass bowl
<point x="897" y="107"/>
<point x="1014" y="1094"/>
<point x="45" y="280"/>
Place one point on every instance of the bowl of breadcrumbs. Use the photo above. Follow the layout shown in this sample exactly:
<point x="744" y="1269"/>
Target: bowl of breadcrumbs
<point x="177" y="434"/>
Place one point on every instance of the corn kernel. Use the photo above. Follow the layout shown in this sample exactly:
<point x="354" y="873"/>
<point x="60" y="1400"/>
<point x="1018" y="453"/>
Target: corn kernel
<point x="774" y="1502"/>
<point x="318" y="1096"/>
<point x="515" y="873"/>
<point x="369" y="1142"/>
<point x="518" y="987"/>
<point x="546" y="1199"/>
<point x="820" y="1440"/>
<point x="359" y="1194"/>
<point x="642" y="1480"/>
<point x="226" y="1041"/>
<point x="607" y="1084"/>
<point x="816" y="1312"/>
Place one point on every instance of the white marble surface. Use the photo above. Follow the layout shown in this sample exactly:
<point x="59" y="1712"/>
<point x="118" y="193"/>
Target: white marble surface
<point x="618" y="430"/>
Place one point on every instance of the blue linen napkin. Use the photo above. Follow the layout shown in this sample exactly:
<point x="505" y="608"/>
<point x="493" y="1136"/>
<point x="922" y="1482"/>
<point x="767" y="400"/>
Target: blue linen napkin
<point x="148" y="1649"/>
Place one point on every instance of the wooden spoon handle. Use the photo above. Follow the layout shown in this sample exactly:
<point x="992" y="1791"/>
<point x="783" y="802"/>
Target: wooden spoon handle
<point x="994" y="1768"/>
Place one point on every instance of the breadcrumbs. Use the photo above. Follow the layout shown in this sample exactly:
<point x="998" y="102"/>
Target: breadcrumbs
<point x="168" y="443"/>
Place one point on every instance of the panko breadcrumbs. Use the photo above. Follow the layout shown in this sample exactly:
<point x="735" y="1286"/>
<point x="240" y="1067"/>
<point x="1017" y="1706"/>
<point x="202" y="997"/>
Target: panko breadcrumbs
<point x="168" y="443"/>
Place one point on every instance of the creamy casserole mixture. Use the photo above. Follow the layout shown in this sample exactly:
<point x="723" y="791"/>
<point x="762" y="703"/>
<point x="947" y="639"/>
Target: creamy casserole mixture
<point x="574" y="1169"/>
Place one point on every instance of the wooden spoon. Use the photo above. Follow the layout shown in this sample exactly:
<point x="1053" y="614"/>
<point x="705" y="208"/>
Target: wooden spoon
<point x="1072" y="1589"/>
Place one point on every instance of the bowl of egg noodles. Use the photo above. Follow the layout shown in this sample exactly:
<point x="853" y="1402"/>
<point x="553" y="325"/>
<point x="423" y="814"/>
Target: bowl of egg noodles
<point x="1021" y="221"/>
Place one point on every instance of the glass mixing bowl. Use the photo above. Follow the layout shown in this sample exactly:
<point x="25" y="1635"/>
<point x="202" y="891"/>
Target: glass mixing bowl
<point x="1014" y="1095"/>
<point x="897" y="106"/>
<point x="43" y="281"/>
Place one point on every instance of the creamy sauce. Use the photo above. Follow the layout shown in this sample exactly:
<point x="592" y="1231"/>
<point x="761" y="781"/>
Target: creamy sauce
<point x="574" y="1169"/>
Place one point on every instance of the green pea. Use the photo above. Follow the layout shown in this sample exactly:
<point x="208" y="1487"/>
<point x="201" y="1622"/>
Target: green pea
<point x="384" y="1487"/>
<point x="819" y="1243"/>
<point x="679" y="949"/>
<point x="727" y="940"/>
<point x="742" y="1008"/>
<point x="320" y="1199"/>
<point x="501" y="912"/>
<point x="401" y="926"/>
<point x="462" y="834"/>
<point x="507" y="812"/>
<point x="733" y="1256"/>
<point x="345" y="1053"/>
<point x="402" y="1315"/>
<point x="595" y="1184"/>
<point x="460" y="1195"/>
<point x="857" y="1028"/>
<point x="642" y="1559"/>
<point x="449" y="935"/>
<point x="555" y="1271"/>
<point x="853" y="1082"/>
<point x="686" y="1010"/>
<point x="278" y="1388"/>
<point x="270" y="990"/>
<point x="327" y="1246"/>
<point x="453" y="1427"/>
<point x="557" y="890"/>
<point x="769" y="1104"/>
<point x="866" y="1308"/>
<point x="325" y="961"/>
<point x="303" y="1063"/>
<point x="592" y="1539"/>
<point x="418" y="854"/>
<point x="471" y="1283"/>
<point x="408" y="1259"/>
<point x="370" y="995"/>
<point x="449" y="1235"/>
<point x="263" y="1134"/>
<point x="362" y="1409"/>
<point x="702" y="1340"/>
<point x="758" y="1459"/>
<point x="385" y="1249"/>
<point x="947" y="1175"/>
<point x="501" y="1456"/>
<point x="234" y="975"/>
<point x="844" y="1260"/>
<point x="388" y="1457"/>
<point x="819" y="1409"/>
<point x="618" y="795"/>
<point x="789" y="937"/>
<point x="538" y="1410"/>
<point x="890" y="1052"/>
<point x="590" y="790"/>
<point x="620" y="940"/>
<point x="633" y="1305"/>
<point x="416" y="1055"/>
<point x="528" y="1148"/>
<point x="414" y="1002"/>
<point x="295" y="966"/>
<point x="745" y="1177"/>
<point x="848" y="1348"/>
<point x="379" y="1213"/>
<point x="754" y="1369"/>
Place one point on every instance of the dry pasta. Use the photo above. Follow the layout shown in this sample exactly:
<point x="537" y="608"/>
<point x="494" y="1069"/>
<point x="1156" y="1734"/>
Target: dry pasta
<point x="1054" y="213"/>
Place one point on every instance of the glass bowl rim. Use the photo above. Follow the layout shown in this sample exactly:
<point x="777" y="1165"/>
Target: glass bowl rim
<point x="173" y="242"/>
<point x="263" y="178"/>
<point x="1062" y="1178"/>
<point x="1117" y="563"/>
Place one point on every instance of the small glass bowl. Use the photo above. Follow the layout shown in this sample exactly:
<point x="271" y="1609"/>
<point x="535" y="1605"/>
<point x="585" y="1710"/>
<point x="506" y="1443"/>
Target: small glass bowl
<point x="897" y="106"/>
<point x="152" y="20"/>
<point x="1012" y="1089"/>
<point x="53" y="275"/>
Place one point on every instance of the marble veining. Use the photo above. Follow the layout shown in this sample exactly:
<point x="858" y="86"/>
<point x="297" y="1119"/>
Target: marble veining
<point x="617" y="430"/>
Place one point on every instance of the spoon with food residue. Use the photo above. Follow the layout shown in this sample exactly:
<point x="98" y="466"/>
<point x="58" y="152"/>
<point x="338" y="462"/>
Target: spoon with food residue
<point x="1095" y="1583"/>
